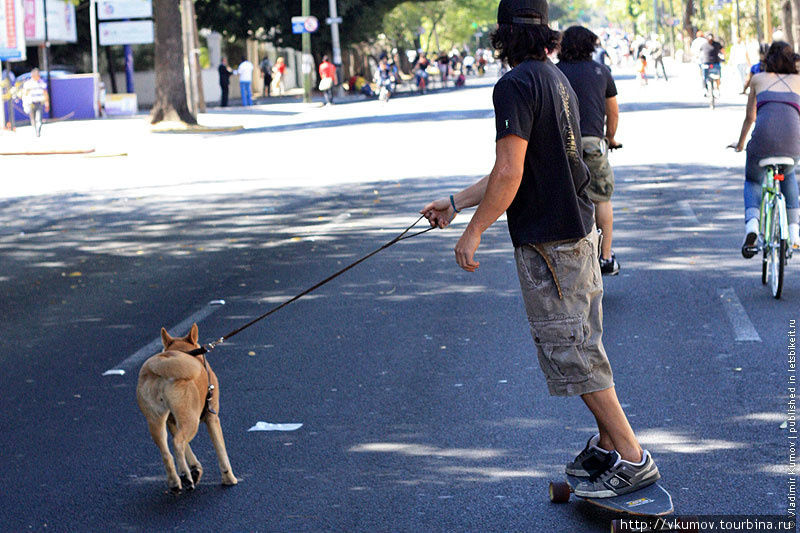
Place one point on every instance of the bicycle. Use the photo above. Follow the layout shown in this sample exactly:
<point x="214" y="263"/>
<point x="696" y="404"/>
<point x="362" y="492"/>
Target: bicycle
<point x="711" y="76"/>
<point x="773" y="238"/>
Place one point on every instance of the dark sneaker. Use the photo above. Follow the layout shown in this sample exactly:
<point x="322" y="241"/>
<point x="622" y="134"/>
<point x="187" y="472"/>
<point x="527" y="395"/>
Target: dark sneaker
<point x="591" y="460"/>
<point x="609" y="267"/>
<point x="621" y="477"/>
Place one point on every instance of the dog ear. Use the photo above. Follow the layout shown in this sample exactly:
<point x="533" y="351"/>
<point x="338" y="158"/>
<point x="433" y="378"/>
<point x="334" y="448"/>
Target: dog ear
<point x="165" y="338"/>
<point x="192" y="336"/>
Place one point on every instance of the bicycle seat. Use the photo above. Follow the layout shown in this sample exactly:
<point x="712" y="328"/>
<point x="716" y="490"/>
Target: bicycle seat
<point x="768" y="161"/>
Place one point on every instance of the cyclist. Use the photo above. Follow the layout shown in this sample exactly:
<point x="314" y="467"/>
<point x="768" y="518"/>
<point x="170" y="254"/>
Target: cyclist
<point x="35" y="97"/>
<point x="774" y="106"/>
<point x="711" y="56"/>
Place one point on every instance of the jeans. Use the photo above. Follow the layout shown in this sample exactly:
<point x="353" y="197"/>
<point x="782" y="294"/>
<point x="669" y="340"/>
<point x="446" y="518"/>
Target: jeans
<point x="753" y="176"/>
<point x="247" y="95"/>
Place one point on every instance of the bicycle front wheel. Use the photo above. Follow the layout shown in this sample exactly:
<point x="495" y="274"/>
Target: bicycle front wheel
<point x="776" y="249"/>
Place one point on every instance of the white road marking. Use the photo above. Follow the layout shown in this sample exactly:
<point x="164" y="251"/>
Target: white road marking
<point x="155" y="346"/>
<point x="742" y="327"/>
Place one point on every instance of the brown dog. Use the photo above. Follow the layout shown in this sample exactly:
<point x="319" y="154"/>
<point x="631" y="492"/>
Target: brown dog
<point x="171" y="392"/>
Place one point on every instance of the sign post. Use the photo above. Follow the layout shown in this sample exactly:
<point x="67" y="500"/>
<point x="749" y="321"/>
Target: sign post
<point x="334" y="20"/>
<point x="306" y="54"/>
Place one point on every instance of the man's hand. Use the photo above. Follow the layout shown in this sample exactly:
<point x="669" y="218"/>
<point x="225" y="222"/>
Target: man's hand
<point x="736" y="147"/>
<point x="465" y="250"/>
<point x="439" y="212"/>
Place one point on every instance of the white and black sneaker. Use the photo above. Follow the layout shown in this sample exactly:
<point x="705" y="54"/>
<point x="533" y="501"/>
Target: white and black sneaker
<point x="591" y="460"/>
<point x="609" y="267"/>
<point x="750" y="244"/>
<point x="621" y="477"/>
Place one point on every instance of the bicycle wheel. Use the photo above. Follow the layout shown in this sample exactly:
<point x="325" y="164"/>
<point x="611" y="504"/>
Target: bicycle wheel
<point x="777" y="255"/>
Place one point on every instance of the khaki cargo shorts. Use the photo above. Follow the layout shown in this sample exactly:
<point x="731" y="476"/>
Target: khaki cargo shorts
<point x="563" y="295"/>
<point x="595" y="155"/>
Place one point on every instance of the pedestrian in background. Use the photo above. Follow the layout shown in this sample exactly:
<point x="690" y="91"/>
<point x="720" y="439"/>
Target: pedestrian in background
<point x="597" y="106"/>
<point x="245" y="72"/>
<point x="327" y="79"/>
<point x="7" y="82"/>
<point x="277" y="76"/>
<point x="224" y="81"/>
<point x="35" y="98"/>
<point x="266" y="73"/>
<point x="655" y="50"/>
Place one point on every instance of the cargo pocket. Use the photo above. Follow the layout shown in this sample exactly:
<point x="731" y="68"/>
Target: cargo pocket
<point x="559" y="344"/>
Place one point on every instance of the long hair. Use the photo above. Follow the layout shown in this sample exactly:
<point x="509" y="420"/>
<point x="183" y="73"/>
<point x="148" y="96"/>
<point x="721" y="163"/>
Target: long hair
<point x="577" y="44"/>
<point x="781" y="59"/>
<point x="517" y="42"/>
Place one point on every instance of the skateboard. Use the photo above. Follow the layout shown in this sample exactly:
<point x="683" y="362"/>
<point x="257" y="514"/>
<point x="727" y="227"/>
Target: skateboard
<point x="652" y="501"/>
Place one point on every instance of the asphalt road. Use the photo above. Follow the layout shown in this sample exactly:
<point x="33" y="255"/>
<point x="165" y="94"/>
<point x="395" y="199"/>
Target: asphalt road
<point x="421" y="402"/>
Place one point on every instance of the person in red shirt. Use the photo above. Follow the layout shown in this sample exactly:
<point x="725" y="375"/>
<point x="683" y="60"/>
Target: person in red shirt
<point x="327" y="79"/>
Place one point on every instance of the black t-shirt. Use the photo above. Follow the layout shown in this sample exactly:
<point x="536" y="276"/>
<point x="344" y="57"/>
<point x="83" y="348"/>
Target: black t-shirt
<point x="592" y="84"/>
<point x="224" y="75"/>
<point x="534" y="101"/>
<point x="709" y="52"/>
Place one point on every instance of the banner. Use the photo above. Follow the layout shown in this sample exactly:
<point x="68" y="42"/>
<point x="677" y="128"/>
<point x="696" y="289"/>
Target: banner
<point x="126" y="32"/>
<point x="61" y="26"/>
<point x="12" y="32"/>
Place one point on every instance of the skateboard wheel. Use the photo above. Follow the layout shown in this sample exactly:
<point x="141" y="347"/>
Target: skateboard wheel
<point x="559" y="492"/>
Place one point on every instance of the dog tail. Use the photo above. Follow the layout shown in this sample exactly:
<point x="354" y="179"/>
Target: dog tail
<point x="174" y="365"/>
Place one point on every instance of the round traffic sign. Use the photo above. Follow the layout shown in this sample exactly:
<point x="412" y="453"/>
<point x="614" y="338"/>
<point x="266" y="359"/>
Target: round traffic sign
<point x="311" y="24"/>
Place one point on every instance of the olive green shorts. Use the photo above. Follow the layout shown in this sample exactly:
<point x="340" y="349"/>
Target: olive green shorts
<point x="563" y="293"/>
<point x="595" y="155"/>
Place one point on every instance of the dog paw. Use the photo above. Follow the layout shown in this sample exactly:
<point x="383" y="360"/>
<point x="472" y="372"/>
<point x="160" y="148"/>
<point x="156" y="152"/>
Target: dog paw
<point x="175" y="490"/>
<point x="197" y="473"/>
<point x="187" y="483"/>
<point x="229" y="479"/>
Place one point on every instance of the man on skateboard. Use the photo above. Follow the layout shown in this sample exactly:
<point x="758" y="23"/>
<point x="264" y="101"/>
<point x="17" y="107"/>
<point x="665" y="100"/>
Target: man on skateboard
<point x="539" y="179"/>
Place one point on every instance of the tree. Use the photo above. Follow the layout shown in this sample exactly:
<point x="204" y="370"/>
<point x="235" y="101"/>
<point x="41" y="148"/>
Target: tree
<point x="171" y="102"/>
<point x="795" y="31"/>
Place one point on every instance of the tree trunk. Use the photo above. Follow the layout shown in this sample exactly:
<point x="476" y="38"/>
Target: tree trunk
<point x="201" y="98"/>
<point x="796" y="24"/>
<point x="170" y="104"/>
<point x="786" y="21"/>
<point x="688" y="29"/>
<point x="112" y="74"/>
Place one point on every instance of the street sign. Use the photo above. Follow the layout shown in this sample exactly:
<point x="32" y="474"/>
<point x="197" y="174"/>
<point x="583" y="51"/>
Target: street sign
<point x="124" y="9"/>
<point x="126" y="32"/>
<point x="304" y="24"/>
<point x="333" y="20"/>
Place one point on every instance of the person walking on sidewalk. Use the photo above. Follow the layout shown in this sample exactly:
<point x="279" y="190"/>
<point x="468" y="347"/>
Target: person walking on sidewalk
<point x="599" y="112"/>
<point x="35" y="98"/>
<point x="224" y="81"/>
<point x="540" y="181"/>
<point x="245" y="72"/>
<point x="327" y="79"/>
<point x="266" y="73"/>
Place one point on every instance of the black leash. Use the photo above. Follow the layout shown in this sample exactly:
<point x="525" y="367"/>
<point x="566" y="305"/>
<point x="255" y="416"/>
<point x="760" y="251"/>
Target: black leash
<point x="403" y="236"/>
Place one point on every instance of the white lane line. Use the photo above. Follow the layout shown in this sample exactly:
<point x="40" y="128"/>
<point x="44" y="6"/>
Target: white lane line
<point x="688" y="212"/>
<point x="742" y="327"/>
<point x="155" y="346"/>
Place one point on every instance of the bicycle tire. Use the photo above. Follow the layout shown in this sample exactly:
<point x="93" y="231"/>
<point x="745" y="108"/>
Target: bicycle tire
<point x="764" y="266"/>
<point x="777" y="259"/>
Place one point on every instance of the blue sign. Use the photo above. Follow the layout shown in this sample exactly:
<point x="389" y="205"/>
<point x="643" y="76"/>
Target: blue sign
<point x="10" y="53"/>
<point x="298" y="27"/>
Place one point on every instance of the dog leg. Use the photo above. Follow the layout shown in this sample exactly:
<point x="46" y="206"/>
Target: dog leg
<point x="158" y="431"/>
<point x="215" y="432"/>
<point x="184" y="432"/>
<point x="194" y="463"/>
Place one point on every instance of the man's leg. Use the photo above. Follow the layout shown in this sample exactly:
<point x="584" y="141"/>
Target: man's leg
<point x="604" y="215"/>
<point x="615" y="430"/>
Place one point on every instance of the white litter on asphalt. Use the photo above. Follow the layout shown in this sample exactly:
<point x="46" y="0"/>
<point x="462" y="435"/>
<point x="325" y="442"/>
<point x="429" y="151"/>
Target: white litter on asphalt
<point x="114" y="372"/>
<point x="266" y="426"/>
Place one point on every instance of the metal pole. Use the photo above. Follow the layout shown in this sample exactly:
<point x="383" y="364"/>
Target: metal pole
<point x="95" y="69"/>
<point x="306" y="62"/>
<point x="47" y="61"/>
<point x="738" y="21"/>
<point x="337" y="48"/>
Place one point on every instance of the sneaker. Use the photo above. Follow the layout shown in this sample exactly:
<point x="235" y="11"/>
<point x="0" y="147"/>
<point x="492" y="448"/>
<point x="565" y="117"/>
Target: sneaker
<point x="591" y="460"/>
<point x="622" y="477"/>
<point x="749" y="246"/>
<point x="609" y="267"/>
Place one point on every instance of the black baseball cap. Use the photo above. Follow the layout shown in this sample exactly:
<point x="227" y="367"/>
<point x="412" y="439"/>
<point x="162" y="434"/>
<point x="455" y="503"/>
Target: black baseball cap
<point x="530" y="12"/>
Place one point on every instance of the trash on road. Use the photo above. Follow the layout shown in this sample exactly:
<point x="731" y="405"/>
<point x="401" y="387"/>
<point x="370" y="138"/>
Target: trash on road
<point x="266" y="426"/>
